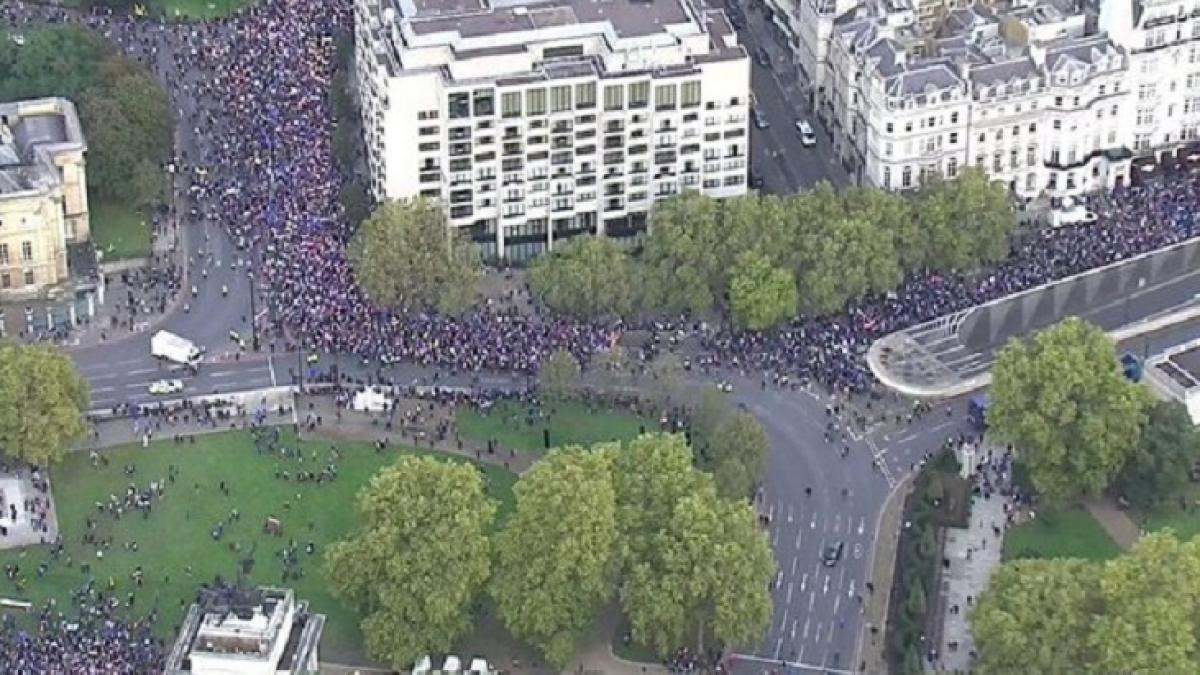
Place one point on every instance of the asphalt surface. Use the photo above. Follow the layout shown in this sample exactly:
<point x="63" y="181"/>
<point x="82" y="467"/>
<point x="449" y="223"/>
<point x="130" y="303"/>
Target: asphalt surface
<point x="776" y="154"/>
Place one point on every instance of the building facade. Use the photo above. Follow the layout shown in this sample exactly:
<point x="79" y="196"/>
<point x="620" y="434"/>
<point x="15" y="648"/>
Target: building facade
<point x="1032" y="94"/>
<point x="536" y="121"/>
<point x="43" y="194"/>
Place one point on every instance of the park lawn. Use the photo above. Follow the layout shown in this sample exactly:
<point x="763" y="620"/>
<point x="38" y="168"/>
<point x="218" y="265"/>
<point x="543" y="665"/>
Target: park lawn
<point x="1184" y="522"/>
<point x="178" y="530"/>
<point x="119" y="231"/>
<point x="200" y="9"/>
<point x="569" y="422"/>
<point x="1072" y="533"/>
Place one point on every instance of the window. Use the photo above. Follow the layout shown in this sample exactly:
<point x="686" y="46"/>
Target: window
<point x="1146" y="91"/>
<point x="887" y="177"/>
<point x="510" y="104"/>
<point x="585" y="95"/>
<point x="3" y="254"/>
<point x="614" y="97"/>
<point x="1031" y="155"/>
<point x="664" y="96"/>
<point x="906" y="177"/>
<point x="997" y="160"/>
<point x="689" y="94"/>
<point x="952" y="167"/>
<point x="890" y="127"/>
<point x="639" y="94"/>
<point x="5" y="280"/>
<point x="953" y="118"/>
<point x="484" y="103"/>
<point x="560" y="98"/>
<point x="27" y="251"/>
<point x="459" y="105"/>
<point x="1145" y="116"/>
<point x="535" y="102"/>
<point x="1057" y="125"/>
<point x="29" y="277"/>
<point x="887" y="149"/>
<point x="953" y="138"/>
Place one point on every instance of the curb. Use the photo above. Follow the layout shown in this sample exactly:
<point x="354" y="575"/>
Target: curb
<point x="901" y="487"/>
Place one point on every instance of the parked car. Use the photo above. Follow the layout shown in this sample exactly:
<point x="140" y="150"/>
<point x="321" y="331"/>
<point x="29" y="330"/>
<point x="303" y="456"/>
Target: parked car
<point x="162" y="387"/>
<point x="760" y="120"/>
<point x="762" y="57"/>
<point x="807" y="138"/>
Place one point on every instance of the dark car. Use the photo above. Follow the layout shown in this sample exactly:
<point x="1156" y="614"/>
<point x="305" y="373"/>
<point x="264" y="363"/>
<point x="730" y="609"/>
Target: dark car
<point x="833" y="553"/>
<point x="762" y="57"/>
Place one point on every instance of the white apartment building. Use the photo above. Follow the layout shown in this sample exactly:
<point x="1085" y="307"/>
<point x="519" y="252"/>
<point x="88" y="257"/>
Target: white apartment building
<point x="1028" y="93"/>
<point x="542" y="119"/>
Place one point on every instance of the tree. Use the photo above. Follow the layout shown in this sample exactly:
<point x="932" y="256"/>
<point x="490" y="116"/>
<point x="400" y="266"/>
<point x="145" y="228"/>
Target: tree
<point x="916" y="604"/>
<point x="887" y="212"/>
<point x="710" y="572"/>
<point x="1162" y="460"/>
<point x="405" y="256"/>
<point x="127" y="120"/>
<point x="844" y="261"/>
<point x="149" y="185"/>
<point x="419" y="559"/>
<point x="1034" y="617"/>
<point x="556" y="559"/>
<point x="683" y="257"/>
<point x="760" y="294"/>
<point x="587" y="277"/>
<point x="712" y="409"/>
<point x="651" y="473"/>
<point x="738" y="455"/>
<point x="964" y="222"/>
<point x="558" y="377"/>
<point x="1063" y="400"/>
<point x="42" y="402"/>
<point x="54" y="61"/>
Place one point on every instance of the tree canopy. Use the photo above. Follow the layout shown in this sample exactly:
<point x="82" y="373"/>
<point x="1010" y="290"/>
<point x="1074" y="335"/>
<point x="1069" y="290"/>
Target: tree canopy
<point x="1062" y="399"/>
<point x="1138" y="613"/>
<point x="42" y="403"/>
<point x="126" y="116"/>
<point x="417" y="516"/>
<point x="1162" y="460"/>
<point x="761" y="295"/>
<point x="556" y="559"/>
<point x="586" y="276"/>
<point x="737" y="454"/>
<point x="405" y="255"/>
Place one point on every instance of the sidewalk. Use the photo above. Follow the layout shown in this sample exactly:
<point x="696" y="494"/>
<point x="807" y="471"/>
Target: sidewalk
<point x="871" y="649"/>
<point x="1117" y="523"/>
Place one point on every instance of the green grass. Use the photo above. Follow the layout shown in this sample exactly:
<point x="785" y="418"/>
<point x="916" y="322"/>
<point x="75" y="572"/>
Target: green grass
<point x="630" y="650"/>
<point x="1185" y="522"/>
<point x="519" y="426"/>
<point x="178" y="530"/>
<point x="200" y="9"/>
<point x="1072" y="533"/>
<point x="119" y="231"/>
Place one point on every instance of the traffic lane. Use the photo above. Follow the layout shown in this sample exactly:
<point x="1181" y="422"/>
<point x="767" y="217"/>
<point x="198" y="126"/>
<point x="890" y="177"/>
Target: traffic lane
<point x="779" y="145"/>
<point x="128" y="382"/>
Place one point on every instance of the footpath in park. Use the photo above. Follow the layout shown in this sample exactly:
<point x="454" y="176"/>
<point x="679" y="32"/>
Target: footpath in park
<point x="1116" y="522"/>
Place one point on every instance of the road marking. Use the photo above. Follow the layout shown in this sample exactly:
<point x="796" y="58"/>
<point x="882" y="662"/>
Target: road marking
<point x="799" y="536"/>
<point x="842" y="578"/>
<point x="812" y="525"/>
<point x="861" y="524"/>
<point x="837" y="602"/>
<point x="825" y="590"/>
<point x="778" y="646"/>
<point x="806" y="623"/>
<point x="792" y="635"/>
<point x="794" y="665"/>
<point x="812" y="600"/>
<point x="795" y="561"/>
<point x="858" y="551"/>
<point x="775" y="538"/>
<point x="225" y="373"/>
<point x="783" y="622"/>
<point x="101" y="390"/>
<point x="850" y="593"/>
<point x="789" y="513"/>
<point x="803" y="582"/>
<point x="837" y="523"/>
<point x="817" y="633"/>
<point x="830" y="637"/>
<point x="778" y="579"/>
<point x="771" y="513"/>
<point x="789" y="593"/>
<point x="271" y="367"/>
<point x="142" y="371"/>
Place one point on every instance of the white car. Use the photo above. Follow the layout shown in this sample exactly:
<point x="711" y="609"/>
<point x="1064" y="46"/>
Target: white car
<point x="18" y="39"/>
<point x="166" y="387"/>
<point x="807" y="137"/>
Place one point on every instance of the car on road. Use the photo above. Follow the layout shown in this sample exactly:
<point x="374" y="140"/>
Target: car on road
<point x="756" y="181"/>
<point x="762" y="57"/>
<point x="833" y="553"/>
<point x="162" y="387"/>
<point x="760" y="120"/>
<point x="807" y="137"/>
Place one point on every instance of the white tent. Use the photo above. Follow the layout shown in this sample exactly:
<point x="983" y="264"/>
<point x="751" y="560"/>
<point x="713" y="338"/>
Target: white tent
<point x="370" y="400"/>
<point x="423" y="667"/>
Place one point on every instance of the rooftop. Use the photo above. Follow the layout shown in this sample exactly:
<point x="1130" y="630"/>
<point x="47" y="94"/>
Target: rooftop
<point x="475" y="18"/>
<point x="31" y="134"/>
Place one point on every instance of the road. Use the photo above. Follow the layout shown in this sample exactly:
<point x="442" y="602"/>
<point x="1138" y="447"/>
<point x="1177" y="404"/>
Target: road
<point x="776" y="154"/>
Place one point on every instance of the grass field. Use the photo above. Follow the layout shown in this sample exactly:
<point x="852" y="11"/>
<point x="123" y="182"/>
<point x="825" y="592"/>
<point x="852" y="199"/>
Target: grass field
<point x="200" y="9"/>
<point x="1072" y="533"/>
<point x="519" y="427"/>
<point x="119" y="231"/>
<point x="178" y="532"/>
<point x="1185" y="522"/>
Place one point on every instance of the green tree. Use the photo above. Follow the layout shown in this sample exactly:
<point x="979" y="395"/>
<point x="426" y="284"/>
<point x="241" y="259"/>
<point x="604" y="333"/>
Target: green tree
<point x="585" y="276"/>
<point x="42" y="402"/>
<point x="1034" y="617"/>
<point x="964" y="222"/>
<point x="556" y="559"/>
<point x="916" y="604"/>
<point x="652" y="473"/>
<point x="683" y="257"/>
<point x="738" y="454"/>
<point x="886" y="212"/>
<point x="710" y="573"/>
<point x="1162" y="460"/>
<point x="149" y="185"/>
<point x="127" y="121"/>
<point x="54" y="61"/>
<point x="558" y="377"/>
<point x="405" y="255"/>
<point x="843" y="261"/>
<point x="1062" y="400"/>
<point x="761" y="295"/>
<point x="1151" y="612"/>
<point x="419" y="559"/>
